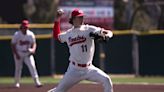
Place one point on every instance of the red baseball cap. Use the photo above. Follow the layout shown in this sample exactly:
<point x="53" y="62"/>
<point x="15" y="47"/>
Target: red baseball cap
<point x="77" y="12"/>
<point x="25" y="23"/>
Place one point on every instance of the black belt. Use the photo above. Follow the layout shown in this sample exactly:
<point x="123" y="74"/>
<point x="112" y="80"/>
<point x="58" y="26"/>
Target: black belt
<point x="81" y="65"/>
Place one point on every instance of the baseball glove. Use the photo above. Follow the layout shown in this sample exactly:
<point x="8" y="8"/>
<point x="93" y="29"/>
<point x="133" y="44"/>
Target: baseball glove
<point x="98" y="37"/>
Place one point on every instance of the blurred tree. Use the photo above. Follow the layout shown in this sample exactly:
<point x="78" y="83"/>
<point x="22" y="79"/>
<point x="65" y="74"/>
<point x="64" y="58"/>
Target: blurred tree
<point x="147" y="15"/>
<point x="119" y="15"/>
<point x="41" y="11"/>
<point x="140" y="15"/>
<point x="161" y="19"/>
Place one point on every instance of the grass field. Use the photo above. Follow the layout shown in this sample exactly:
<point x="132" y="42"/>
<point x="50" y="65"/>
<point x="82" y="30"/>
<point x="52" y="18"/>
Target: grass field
<point x="115" y="79"/>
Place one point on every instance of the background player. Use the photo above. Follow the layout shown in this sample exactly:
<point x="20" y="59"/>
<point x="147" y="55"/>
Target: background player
<point x="80" y="40"/>
<point x="23" y="46"/>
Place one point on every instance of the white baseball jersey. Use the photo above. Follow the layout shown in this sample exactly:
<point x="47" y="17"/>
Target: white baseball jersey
<point x="23" y="42"/>
<point x="81" y="45"/>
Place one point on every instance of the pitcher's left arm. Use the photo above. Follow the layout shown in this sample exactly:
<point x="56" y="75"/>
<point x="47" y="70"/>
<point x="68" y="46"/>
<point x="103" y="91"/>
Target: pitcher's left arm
<point x="103" y="35"/>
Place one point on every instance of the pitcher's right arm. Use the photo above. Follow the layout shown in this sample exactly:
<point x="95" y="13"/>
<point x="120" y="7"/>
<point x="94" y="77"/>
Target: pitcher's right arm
<point x="56" y="27"/>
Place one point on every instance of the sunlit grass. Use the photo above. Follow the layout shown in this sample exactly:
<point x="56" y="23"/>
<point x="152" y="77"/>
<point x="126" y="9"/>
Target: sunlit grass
<point x="150" y="80"/>
<point x="50" y="79"/>
<point x="8" y="80"/>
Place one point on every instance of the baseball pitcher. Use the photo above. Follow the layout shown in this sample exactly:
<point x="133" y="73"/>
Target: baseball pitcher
<point x="80" y="40"/>
<point x="23" y="46"/>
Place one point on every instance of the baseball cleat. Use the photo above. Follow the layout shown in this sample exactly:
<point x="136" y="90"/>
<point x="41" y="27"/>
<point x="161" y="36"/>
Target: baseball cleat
<point x="38" y="86"/>
<point x="17" y="85"/>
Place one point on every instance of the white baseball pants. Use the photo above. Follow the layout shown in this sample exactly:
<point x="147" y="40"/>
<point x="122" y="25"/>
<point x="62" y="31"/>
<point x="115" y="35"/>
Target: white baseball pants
<point x="75" y="74"/>
<point x="30" y="62"/>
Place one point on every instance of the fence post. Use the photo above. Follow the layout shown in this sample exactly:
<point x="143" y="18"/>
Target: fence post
<point x="52" y="62"/>
<point x="135" y="54"/>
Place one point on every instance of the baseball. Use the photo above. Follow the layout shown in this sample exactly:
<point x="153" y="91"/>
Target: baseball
<point x="60" y="12"/>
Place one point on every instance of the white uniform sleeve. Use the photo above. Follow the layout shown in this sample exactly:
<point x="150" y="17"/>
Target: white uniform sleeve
<point x="33" y="37"/>
<point x="62" y="37"/>
<point x="14" y="38"/>
<point x="94" y="29"/>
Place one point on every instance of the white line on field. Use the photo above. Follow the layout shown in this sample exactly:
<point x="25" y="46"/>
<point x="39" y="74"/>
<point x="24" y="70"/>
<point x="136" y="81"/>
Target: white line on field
<point x="141" y="83"/>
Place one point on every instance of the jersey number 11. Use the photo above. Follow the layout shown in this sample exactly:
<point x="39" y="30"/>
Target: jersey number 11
<point x="84" y="48"/>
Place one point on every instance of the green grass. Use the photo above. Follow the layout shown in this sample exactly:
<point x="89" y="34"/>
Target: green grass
<point x="149" y="80"/>
<point x="9" y="80"/>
